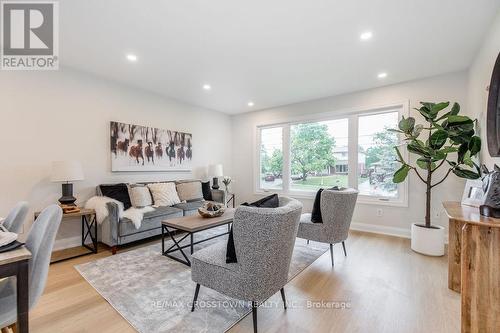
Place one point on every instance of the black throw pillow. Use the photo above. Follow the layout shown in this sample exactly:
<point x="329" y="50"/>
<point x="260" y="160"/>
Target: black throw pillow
<point x="316" y="210"/>
<point x="207" y="192"/>
<point x="118" y="192"/>
<point x="271" y="201"/>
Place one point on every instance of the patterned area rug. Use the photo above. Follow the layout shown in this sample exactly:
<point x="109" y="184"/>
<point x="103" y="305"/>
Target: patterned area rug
<point x="154" y="293"/>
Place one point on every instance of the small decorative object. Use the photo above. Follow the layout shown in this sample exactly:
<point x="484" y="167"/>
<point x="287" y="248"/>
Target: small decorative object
<point x="226" y="181"/>
<point x="449" y="140"/>
<point x="66" y="172"/>
<point x="142" y="148"/>
<point x="473" y="193"/>
<point x="491" y="185"/>
<point x="215" y="171"/>
<point x="210" y="209"/>
<point x="69" y="209"/>
<point x="493" y="115"/>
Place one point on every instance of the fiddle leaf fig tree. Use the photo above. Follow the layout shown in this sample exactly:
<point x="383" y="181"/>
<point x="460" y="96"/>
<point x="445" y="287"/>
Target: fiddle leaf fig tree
<point x="447" y="139"/>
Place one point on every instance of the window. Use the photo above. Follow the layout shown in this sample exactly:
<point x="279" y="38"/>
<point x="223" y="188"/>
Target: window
<point x="271" y="158"/>
<point x="319" y="154"/>
<point x="351" y="150"/>
<point x="377" y="157"/>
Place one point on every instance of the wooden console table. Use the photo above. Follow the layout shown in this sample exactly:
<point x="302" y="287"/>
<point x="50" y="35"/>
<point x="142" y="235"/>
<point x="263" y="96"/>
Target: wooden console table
<point x="474" y="266"/>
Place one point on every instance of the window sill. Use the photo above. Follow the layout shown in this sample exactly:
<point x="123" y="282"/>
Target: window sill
<point x="363" y="200"/>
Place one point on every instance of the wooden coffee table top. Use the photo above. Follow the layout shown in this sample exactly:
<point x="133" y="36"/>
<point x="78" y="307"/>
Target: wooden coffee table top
<point x="195" y="223"/>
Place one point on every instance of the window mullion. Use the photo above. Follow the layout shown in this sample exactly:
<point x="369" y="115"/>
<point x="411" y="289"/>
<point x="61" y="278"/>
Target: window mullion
<point x="353" y="151"/>
<point x="287" y="174"/>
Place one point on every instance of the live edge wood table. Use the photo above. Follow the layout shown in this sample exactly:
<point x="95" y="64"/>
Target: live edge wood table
<point x="15" y="263"/>
<point x="191" y="225"/>
<point x="474" y="266"/>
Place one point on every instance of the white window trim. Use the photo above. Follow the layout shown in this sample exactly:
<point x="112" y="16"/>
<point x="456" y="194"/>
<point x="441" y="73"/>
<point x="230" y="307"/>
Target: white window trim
<point x="352" y="114"/>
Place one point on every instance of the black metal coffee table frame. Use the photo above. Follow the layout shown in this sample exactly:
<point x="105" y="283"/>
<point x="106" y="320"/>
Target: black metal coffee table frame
<point x="177" y="243"/>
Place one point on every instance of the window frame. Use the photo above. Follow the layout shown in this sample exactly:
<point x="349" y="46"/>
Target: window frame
<point x="352" y="115"/>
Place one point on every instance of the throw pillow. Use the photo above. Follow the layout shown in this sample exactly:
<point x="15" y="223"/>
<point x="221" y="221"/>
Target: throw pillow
<point x="316" y="210"/>
<point x="207" y="192"/>
<point x="164" y="194"/>
<point x="139" y="196"/>
<point x="118" y="192"/>
<point x="271" y="201"/>
<point x="190" y="191"/>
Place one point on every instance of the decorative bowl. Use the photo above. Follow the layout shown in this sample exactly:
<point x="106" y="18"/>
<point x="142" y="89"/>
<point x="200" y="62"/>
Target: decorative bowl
<point x="210" y="209"/>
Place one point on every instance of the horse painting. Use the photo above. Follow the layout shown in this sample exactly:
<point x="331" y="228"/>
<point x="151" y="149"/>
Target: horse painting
<point x="136" y="152"/>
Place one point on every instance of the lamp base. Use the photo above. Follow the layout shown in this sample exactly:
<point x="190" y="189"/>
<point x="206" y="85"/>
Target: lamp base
<point x="215" y="185"/>
<point x="67" y="195"/>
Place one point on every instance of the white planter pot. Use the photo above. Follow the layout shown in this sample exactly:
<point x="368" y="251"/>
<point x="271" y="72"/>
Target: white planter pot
<point x="428" y="241"/>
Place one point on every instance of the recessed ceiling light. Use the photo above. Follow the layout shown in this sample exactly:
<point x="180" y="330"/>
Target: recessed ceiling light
<point x="366" y="35"/>
<point x="131" y="57"/>
<point x="207" y="87"/>
<point x="250" y="104"/>
<point x="382" y="75"/>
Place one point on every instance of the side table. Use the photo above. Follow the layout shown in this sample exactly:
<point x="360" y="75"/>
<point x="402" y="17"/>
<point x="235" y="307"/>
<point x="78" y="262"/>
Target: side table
<point x="89" y="232"/>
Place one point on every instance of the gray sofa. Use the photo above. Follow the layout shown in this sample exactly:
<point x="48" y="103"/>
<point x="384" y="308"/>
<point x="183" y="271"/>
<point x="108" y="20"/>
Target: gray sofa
<point x="115" y="231"/>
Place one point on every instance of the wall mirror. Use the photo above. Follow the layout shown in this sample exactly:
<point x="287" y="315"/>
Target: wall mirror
<point x="493" y="116"/>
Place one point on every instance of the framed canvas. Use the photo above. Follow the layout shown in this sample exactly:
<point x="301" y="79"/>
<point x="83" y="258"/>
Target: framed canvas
<point x="473" y="193"/>
<point x="142" y="148"/>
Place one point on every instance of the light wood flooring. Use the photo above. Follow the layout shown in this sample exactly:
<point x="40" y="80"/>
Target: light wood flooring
<point x="384" y="286"/>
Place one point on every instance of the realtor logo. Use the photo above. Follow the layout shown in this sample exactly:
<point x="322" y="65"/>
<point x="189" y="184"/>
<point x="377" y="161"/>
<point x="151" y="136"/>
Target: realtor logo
<point x="29" y="35"/>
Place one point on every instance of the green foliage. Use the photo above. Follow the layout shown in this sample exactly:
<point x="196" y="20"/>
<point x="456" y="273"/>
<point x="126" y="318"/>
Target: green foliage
<point x="447" y="134"/>
<point x="383" y="150"/>
<point x="276" y="163"/>
<point x="311" y="148"/>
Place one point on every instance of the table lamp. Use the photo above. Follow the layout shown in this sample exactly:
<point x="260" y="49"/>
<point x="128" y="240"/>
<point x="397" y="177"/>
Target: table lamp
<point x="66" y="172"/>
<point x="215" y="171"/>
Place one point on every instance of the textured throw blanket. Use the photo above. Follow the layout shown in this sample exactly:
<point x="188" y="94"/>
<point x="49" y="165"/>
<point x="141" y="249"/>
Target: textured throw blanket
<point x="98" y="203"/>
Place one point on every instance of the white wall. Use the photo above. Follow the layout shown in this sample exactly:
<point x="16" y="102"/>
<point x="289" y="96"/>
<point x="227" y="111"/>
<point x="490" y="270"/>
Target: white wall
<point x="65" y="114"/>
<point x="479" y="79"/>
<point x="395" y="220"/>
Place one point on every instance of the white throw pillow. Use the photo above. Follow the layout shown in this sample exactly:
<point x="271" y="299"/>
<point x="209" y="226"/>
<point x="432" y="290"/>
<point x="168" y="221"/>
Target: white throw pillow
<point x="139" y="196"/>
<point x="164" y="194"/>
<point x="189" y="191"/>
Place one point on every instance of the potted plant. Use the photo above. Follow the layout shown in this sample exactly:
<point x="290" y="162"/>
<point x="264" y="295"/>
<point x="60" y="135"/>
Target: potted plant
<point x="447" y="139"/>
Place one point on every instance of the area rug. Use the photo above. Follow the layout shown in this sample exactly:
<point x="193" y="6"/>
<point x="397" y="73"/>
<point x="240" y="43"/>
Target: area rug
<point x="154" y="293"/>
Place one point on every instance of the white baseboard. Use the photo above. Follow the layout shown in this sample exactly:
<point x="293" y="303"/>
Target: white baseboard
<point x="381" y="229"/>
<point x="66" y="243"/>
<point x="385" y="230"/>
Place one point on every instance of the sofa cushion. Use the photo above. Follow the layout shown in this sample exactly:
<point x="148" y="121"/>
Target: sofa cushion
<point x="139" y="196"/>
<point x="190" y="191"/>
<point x="207" y="193"/>
<point x="118" y="192"/>
<point x="151" y="220"/>
<point x="164" y="194"/>
<point x="186" y="206"/>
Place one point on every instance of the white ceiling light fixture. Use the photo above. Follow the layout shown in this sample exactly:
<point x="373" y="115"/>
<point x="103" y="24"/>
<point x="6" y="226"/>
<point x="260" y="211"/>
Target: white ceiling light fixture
<point x="131" y="57"/>
<point x="250" y="104"/>
<point x="367" y="35"/>
<point x="382" y="75"/>
<point x="207" y="87"/>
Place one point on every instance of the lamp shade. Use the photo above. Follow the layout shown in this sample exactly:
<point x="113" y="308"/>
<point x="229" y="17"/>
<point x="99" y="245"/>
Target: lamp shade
<point x="65" y="171"/>
<point x="215" y="170"/>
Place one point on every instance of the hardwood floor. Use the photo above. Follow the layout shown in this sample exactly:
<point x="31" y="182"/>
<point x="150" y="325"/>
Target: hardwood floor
<point x="385" y="286"/>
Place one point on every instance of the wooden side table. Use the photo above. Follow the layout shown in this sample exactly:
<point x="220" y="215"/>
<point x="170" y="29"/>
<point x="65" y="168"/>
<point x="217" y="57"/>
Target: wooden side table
<point x="475" y="244"/>
<point x="231" y="197"/>
<point x="89" y="222"/>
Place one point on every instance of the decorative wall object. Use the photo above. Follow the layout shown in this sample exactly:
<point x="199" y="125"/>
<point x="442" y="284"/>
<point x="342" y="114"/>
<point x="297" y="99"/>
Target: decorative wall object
<point x="493" y="116"/>
<point x="142" y="148"/>
<point x="473" y="193"/>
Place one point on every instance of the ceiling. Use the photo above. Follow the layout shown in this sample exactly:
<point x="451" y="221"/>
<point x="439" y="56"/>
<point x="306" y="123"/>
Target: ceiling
<point x="269" y="52"/>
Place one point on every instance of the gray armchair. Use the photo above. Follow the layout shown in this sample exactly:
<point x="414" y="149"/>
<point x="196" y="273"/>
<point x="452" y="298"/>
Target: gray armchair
<point x="337" y="208"/>
<point x="40" y="242"/>
<point x="15" y="220"/>
<point x="264" y="239"/>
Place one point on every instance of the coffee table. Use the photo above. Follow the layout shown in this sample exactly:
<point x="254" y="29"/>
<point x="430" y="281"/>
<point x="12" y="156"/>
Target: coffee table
<point x="191" y="225"/>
